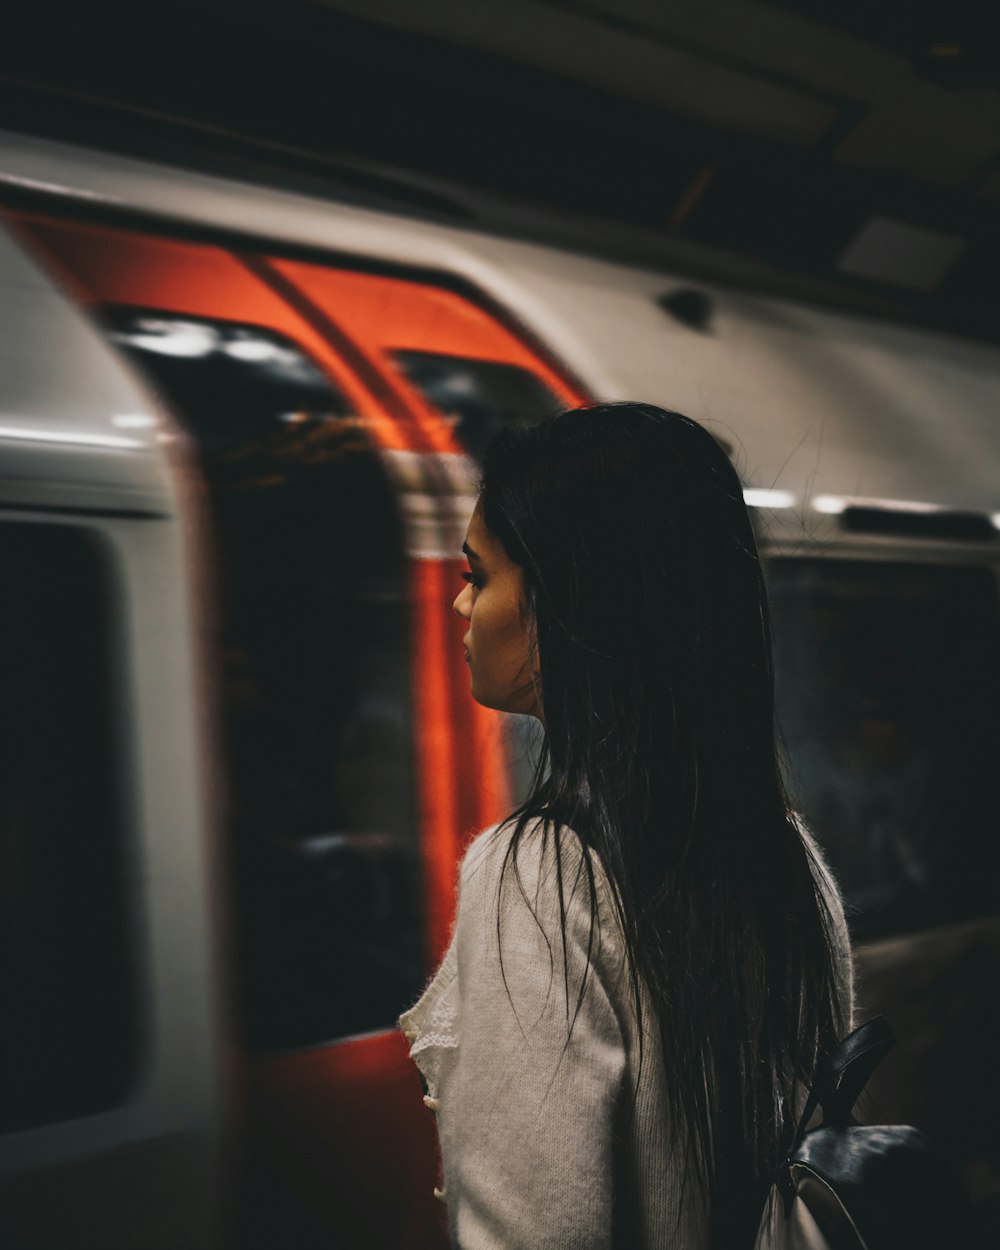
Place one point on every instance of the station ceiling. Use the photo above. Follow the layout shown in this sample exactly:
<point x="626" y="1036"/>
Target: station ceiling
<point x="848" y="150"/>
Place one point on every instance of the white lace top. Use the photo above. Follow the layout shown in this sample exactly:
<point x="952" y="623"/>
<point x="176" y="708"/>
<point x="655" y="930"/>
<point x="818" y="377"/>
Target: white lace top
<point x="432" y="1023"/>
<point x="535" y="1150"/>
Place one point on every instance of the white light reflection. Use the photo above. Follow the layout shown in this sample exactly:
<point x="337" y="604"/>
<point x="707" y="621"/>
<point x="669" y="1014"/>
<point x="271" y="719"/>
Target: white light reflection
<point x="837" y="503"/>
<point x="133" y="420"/>
<point x="829" y="503"/>
<point x="56" y="188"/>
<point x="256" y="351"/>
<point x="758" y="497"/>
<point x="185" y="339"/>
<point x="69" y="438"/>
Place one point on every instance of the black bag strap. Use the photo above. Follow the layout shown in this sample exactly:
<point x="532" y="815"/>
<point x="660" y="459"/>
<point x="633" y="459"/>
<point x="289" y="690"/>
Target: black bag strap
<point x="840" y="1080"/>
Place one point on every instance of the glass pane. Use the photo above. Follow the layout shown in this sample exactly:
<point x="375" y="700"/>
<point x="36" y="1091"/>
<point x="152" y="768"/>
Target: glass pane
<point x="313" y="658"/>
<point x="479" y="396"/>
<point x="68" y="1045"/>
<point x="888" y="693"/>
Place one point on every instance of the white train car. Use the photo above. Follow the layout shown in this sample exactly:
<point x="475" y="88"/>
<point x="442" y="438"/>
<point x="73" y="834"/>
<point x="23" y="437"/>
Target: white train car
<point x="238" y="432"/>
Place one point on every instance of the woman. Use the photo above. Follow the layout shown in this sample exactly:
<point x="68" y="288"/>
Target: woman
<point x="649" y="955"/>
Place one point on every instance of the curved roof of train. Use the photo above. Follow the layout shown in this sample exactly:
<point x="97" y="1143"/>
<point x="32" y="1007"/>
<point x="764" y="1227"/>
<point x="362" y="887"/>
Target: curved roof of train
<point x="814" y="402"/>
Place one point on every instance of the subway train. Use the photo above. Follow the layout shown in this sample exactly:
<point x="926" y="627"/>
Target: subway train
<point x="239" y="429"/>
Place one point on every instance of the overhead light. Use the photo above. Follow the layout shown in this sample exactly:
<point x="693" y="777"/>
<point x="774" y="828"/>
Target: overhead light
<point x="757" y="497"/>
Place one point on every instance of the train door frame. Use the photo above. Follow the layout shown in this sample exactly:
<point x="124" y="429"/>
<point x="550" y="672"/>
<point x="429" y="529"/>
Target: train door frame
<point x="433" y="479"/>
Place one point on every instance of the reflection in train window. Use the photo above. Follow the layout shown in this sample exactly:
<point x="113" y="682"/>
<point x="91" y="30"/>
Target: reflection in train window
<point x="481" y="397"/>
<point x="888" y="693"/>
<point x="69" y="1042"/>
<point x="262" y="376"/>
<point x="316" y="684"/>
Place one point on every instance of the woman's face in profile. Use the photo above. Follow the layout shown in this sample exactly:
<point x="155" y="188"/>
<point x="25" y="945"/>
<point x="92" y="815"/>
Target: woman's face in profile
<point x="498" y="641"/>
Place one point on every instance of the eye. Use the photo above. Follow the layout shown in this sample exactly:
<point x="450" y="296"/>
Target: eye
<point x="472" y="579"/>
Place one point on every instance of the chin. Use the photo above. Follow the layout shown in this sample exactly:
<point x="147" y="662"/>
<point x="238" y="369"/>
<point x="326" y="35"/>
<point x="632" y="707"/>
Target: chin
<point x="485" y="700"/>
<point x="491" y="700"/>
<point x="513" y="704"/>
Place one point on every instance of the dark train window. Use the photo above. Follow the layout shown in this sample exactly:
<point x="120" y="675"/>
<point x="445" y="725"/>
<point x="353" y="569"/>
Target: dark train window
<point x="313" y="661"/>
<point x="481" y="396"/>
<point x="232" y="383"/>
<point x="888" y="693"/>
<point x="69" y="1042"/>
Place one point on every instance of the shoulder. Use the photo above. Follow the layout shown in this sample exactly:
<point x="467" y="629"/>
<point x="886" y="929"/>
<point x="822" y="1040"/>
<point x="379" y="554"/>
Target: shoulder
<point x="540" y="884"/>
<point x="541" y="861"/>
<point x="536" y="945"/>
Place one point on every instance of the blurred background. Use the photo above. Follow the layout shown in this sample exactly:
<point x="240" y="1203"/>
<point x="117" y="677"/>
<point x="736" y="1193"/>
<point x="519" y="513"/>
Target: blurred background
<point x="850" y="142"/>
<point x="271" y="277"/>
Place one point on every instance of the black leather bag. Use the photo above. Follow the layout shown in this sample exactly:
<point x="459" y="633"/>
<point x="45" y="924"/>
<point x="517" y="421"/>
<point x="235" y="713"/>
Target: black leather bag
<point x="845" y="1186"/>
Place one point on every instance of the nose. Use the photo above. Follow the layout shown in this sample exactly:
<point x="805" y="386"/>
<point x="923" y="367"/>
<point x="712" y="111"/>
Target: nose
<point x="462" y="605"/>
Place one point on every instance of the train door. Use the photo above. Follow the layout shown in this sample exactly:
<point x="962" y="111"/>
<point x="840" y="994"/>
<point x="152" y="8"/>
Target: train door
<point x="110" y="1108"/>
<point x="334" y="415"/>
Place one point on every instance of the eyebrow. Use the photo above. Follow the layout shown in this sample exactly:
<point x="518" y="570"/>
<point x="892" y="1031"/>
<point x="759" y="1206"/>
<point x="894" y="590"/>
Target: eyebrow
<point x="473" y="555"/>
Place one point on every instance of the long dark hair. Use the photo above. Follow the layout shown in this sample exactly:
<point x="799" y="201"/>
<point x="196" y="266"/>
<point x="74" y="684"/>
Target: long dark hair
<point x="646" y="592"/>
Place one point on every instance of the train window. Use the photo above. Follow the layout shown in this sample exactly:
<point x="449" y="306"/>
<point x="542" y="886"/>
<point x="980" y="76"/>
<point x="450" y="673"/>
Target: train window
<point x="69" y="1044"/>
<point x="258" y="376"/>
<point x="481" y="397"/>
<point x="888" y="694"/>
<point x="313" y="658"/>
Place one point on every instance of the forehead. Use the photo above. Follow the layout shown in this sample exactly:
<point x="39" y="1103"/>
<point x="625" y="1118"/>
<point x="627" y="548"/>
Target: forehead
<point x="482" y="541"/>
<point x="478" y="535"/>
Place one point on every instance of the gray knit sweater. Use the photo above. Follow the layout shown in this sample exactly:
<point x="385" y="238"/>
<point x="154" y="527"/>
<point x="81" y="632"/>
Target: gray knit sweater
<point x="535" y="1146"/>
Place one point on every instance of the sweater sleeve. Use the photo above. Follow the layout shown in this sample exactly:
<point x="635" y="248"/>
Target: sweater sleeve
<point x="527" y="1127"/>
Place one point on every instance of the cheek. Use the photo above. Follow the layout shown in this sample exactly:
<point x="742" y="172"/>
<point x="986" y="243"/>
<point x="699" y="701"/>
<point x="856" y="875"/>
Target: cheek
<point x="494" y="628"/>
<point x="509" y="639"/>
